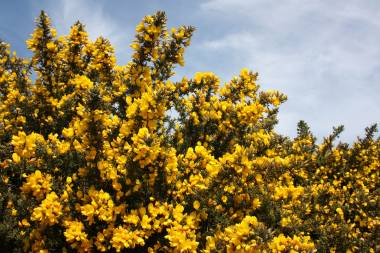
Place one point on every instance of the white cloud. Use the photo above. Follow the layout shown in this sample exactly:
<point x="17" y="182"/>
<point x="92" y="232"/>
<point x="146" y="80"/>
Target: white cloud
<point x="233" y="41"/>
<point x="322" y="54"/>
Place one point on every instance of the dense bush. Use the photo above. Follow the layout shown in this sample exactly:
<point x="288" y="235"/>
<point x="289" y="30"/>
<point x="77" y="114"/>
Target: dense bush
<point x="100" y="157"/>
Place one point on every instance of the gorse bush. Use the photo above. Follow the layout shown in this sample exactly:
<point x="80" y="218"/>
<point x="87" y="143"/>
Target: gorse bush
<point x="97" y="157"/>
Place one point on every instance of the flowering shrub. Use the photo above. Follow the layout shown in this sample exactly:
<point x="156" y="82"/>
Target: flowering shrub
<point x="97" y="157"/>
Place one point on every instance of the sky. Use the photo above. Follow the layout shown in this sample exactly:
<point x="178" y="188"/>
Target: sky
<point x="324" y="55"/>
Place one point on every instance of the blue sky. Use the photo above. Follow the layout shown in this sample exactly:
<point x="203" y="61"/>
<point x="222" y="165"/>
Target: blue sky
<point x="325" y="55"/>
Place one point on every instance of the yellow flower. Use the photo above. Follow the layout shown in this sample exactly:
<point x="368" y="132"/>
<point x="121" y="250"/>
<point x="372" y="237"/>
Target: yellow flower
<point x="38" y="184"/>
<point x="51" y="46"/>
<point x="63" y="147"/>
<point x="16" y="158"/>
<point x="25" y="223"/>
<point x="68" y="132"/>
<point x="123" y="238"/>
<point x="82" y="82"/>
<point x="244" y="73"/>
<point x="340" y="212"/>
<point x="48" y="211"/>
<point x="196" y="204"/>
<point x="256" y="203"/>
<point x="74" y="232"/>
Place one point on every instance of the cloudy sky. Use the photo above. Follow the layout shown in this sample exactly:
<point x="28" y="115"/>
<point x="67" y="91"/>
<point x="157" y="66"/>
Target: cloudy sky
<point x="325" y="55"/>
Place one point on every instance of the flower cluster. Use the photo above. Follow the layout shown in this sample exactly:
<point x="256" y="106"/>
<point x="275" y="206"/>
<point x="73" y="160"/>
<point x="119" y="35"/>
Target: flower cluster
<point x="38" y="184"/>
<point x="49" y="211"/>
<point x="97" y="157"/>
